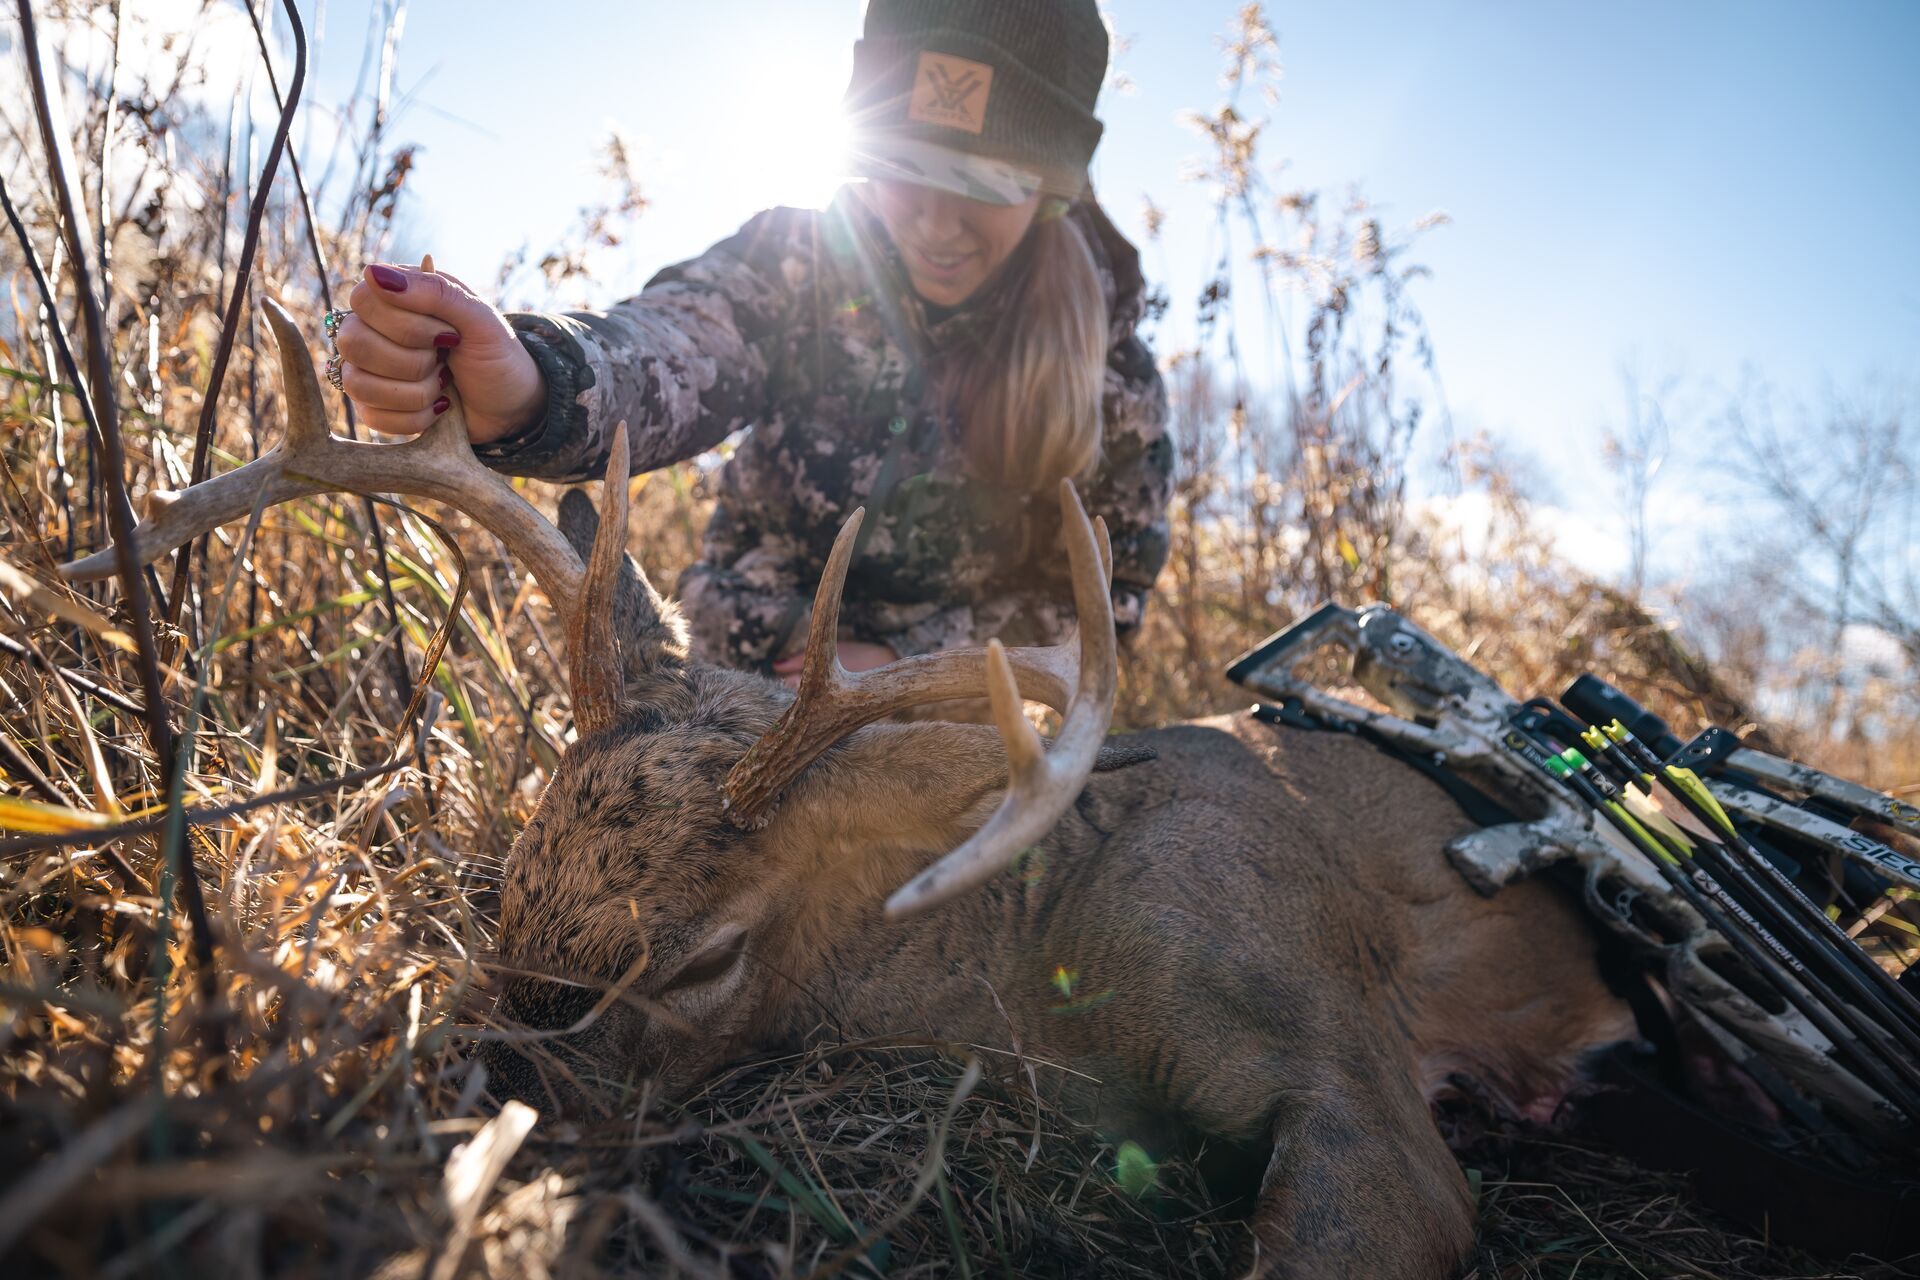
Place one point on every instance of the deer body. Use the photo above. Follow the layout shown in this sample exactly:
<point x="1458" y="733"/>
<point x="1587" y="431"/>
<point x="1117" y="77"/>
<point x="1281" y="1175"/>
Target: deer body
<point x="1227" y="938"/>
<point x="1264" y="941"/>
<point x="1222" y="928"/>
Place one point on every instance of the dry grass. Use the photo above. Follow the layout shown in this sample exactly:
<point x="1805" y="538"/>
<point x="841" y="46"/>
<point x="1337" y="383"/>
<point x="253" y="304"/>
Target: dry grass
<point x="292" y="1092"/>
<point x="1551" y="1209"/>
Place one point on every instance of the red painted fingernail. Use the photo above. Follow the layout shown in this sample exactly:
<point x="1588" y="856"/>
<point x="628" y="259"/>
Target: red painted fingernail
<point x="446" y="377"/>
<point x="446" y="341"/>
<point x="389" y="279"/>
<point x="440" y="406"/>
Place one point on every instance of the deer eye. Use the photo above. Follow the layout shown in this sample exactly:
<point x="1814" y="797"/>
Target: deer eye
<point x="721" y="951"/>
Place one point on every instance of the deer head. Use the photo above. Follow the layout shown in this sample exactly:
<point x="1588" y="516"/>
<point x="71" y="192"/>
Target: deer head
<point x="708" y="831"/>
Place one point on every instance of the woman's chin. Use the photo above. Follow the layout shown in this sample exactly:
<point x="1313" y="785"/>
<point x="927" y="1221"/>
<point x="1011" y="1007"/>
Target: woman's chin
<point x="944" y="293"/>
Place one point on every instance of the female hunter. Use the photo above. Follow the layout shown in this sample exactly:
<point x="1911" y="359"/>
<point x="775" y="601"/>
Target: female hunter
<point x="948" y="339"/>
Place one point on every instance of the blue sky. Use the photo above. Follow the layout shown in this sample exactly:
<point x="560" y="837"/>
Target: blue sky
<point x="1697" y="189"/>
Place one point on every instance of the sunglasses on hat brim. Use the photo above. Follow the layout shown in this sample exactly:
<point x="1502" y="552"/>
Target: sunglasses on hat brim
<point x="928" y="164"/>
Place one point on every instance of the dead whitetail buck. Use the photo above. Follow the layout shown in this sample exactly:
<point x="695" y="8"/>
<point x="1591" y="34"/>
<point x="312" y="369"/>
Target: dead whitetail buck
<point x="1269" y="944"/>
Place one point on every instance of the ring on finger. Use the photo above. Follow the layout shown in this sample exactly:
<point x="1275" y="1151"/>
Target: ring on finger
<point x="331" y="322"/>
<point x="334" y="373"/>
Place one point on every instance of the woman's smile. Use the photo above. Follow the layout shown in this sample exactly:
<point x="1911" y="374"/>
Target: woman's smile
<point x="945" y="265"/>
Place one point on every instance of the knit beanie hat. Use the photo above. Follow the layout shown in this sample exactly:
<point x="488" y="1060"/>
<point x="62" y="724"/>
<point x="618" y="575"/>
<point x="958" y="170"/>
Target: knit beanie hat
<point x="942" y="85"/>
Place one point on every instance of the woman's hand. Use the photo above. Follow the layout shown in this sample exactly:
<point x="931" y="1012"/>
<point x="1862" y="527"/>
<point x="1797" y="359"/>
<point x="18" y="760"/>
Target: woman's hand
<point x="415" y="333"/>
<point x="855" y="655"/>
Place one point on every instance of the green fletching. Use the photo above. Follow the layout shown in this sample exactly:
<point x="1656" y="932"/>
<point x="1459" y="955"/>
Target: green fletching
<point x="1648" y="842"/>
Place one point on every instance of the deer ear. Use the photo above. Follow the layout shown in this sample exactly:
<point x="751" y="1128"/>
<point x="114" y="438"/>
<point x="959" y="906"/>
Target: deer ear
<point x="651" y="629"/>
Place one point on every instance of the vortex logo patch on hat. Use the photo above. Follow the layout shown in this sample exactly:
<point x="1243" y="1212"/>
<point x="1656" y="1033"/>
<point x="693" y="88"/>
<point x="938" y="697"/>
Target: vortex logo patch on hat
<point x="951" y="91"/>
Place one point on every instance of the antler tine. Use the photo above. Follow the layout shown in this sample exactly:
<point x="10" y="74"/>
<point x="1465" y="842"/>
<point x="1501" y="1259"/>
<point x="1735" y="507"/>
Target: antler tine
<point x="821" y="670"/>
<point x="595" y="678"/>
<point x="833" y="702"/>
<point x="438" y="464"/>
<point x="306" y="410"/>
<point x="1041" y="786"/>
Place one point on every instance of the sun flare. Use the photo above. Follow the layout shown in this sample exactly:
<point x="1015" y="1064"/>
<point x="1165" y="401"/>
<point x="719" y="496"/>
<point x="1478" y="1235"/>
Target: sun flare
<point x="787" y="147"/>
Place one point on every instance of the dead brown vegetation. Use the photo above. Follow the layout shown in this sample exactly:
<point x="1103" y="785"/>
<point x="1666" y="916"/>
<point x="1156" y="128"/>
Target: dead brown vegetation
<point x="277" y="1079"/>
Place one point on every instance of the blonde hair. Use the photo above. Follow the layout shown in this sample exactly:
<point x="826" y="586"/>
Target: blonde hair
<point x="1028" y="398"/>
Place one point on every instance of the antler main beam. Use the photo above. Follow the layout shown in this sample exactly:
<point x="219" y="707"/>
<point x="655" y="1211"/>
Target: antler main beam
<point x="1041" y="785"/>
<point x="1077" y="677"/>
<point x="438" y="464"/>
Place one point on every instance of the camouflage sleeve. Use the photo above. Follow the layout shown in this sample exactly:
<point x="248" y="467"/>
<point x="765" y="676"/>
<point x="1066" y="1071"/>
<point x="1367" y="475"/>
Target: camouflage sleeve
<point x="684" y="364"/>
<point x="1130" y="490"/>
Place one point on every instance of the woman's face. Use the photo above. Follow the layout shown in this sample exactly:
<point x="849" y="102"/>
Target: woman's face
<point x="951" y="245"/>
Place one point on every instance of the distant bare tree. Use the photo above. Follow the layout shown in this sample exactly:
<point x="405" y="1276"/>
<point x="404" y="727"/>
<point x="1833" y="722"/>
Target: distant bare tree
<point x="1843" y="480"/>
<point x="1820" y="608"/>
<point x="1636" y="451"/>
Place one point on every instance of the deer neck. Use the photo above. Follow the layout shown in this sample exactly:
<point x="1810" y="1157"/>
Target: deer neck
<point x="855" y="834"/>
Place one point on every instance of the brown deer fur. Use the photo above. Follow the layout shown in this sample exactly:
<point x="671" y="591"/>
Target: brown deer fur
<point x="1277" y="944"/>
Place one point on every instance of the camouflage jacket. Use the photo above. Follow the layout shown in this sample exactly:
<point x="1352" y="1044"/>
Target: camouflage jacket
<point x="801" y="327"/>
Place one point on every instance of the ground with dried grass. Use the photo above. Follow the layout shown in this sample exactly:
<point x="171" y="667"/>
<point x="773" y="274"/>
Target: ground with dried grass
<point x="241" y="1044"/>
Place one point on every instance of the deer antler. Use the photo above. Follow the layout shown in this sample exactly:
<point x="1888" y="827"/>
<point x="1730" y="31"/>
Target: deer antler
<point x="595" y="676"/>
<point x="438" y="464"/>
<point x="1076" y="677"/>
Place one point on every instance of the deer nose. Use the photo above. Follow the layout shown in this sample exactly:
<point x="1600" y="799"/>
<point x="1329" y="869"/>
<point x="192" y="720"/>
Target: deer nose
<point x="512" y="1076"/>
<point x="514" y="1068"/>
